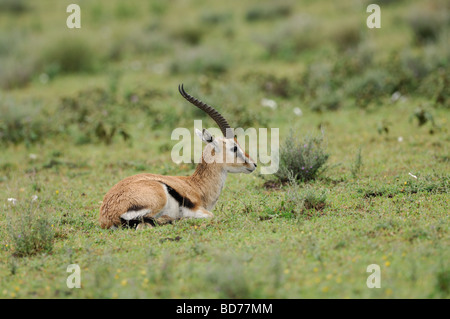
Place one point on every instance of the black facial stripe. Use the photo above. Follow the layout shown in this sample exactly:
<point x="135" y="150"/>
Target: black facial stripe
<point x="182" y="201"/>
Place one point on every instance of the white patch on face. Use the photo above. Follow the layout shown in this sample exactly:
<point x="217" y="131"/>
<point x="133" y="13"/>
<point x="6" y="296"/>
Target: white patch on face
<point x="237" y="161"/>
<point x="135" y="214"/>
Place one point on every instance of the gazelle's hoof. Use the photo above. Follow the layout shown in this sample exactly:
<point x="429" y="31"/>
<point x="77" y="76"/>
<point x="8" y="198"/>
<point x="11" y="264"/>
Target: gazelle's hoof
<point x="143" y="226"/>
<point x="163" y="220"/>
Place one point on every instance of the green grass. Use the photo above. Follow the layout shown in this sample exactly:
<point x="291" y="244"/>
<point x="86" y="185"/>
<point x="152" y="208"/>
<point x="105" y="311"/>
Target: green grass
<point x="70" y="135"/>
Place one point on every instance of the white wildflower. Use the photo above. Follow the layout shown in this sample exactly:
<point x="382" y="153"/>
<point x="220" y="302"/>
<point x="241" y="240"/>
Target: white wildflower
<point x="412" y="175"/>
<point x="34" y="198"/>
<point x="269" y="103"/>
<point x="13" y="201"/>
<point x="298" y="111"/>
<point x="396" y="96"/>
<point x="33" y="156"/>
<point x="400" y="139"/>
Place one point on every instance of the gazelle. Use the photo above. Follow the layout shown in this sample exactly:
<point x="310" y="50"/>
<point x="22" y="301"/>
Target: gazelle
<point x="148" y="198"/>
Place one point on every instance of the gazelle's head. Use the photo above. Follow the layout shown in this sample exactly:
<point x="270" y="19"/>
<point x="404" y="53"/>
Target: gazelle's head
<point x="224" y="151"/>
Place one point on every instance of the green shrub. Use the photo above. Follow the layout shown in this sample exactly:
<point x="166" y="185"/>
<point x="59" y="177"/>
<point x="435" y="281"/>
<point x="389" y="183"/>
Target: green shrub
<point x="189" y="34"/>
<point x="326" y="101"/>
<point x="70" y="55"/>
<point x="95" y="116"/>
<point x="436" y="87"/>
<point x="320" y="87"/>
<point x="265" y="13"/>
<point x="300" y="201"/>
<point x="279" y="86"/>
<point x="201" y="61"/>
<point x="430" y="183"/>
<point x="24" y="123"/>
<point x="30" y="229"/>
<point x="16" y="73"/>
<point x="426" y="25"/>
<point x="357" y="164"/>
<point x="314" y="199"/>
<point x="353" y="62"/>
<point x="442" y="285"/>
<point x="17" y="65"/>
<point x="347" y="36"/>
<point x="14" y="6"/>
<point x="229" y="279"/>
<point x="422" y="116"/>
<point x="293" y="37"/>
<point x="125" y="11"/>
<point x="145" y="42"/>
<point x="302" y="160"/>
<point x="370" y="87"/>
<point x="215" y="18"/>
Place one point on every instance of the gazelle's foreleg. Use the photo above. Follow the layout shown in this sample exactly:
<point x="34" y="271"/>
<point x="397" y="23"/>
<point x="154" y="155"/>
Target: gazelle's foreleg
<point x="196" y="213"/>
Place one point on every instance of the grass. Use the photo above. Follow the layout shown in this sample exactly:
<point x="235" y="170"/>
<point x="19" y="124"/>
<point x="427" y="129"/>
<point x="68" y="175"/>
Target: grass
<point x="69" y="136"/>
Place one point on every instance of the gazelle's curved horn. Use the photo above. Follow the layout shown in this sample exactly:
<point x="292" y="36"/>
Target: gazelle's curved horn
<point x="212" y="112"/>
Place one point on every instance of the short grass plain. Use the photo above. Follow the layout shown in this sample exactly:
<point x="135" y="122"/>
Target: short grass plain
<point x="392" y="212"/>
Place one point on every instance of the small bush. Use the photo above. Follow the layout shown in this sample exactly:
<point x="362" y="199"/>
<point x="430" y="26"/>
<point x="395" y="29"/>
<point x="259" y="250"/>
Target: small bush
<point x="16" y="73"/>
<point x="314" y="200"/>
<point x="354" y="62"/>
<point x="369" y="87"/>
<point x="95" y="116"/>
<point x="265" y="13"/>
<point x="200" y="61"/>
<point x="293" y="37"/>
<point x="426" y="25"/>
<point x="30" y="229"/>
<point x="278" y="86"/>
<point x="14" y="6"/>
<point x="191" y="35"/>
<point x="24" y="123"/>
<point x="229" y="279"/>
<point x="300" y="201"/>
<point x="442" y="284"/>
<point x="357" y="164"/>
<point x="422" y="116"/>
<point x="320" y="86"/>
<point x="430" y="183"/>
<point x="303" y="159"/>
<point x="215" y="18"/>
<point x="436" y="86"/>
<point x="70" y="55"/>
<point x="326" y="101"/>
<point x="142" y="42"/>
<point x="125" y="11"/>
<point x="347" y="36"/>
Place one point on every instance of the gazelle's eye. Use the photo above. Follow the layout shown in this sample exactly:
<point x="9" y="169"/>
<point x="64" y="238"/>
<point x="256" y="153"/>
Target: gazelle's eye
<point x="234" y="149"/>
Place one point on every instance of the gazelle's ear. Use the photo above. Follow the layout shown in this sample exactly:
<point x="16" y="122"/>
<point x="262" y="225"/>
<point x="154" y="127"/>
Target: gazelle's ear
<point x="207" y="138"/>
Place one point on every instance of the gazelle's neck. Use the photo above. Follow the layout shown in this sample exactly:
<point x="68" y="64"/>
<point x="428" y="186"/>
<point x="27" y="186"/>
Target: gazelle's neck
<point x="209" y="179"/>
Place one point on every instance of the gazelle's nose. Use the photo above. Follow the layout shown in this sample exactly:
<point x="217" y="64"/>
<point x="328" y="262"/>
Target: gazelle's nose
<point x="255" y="164"/>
